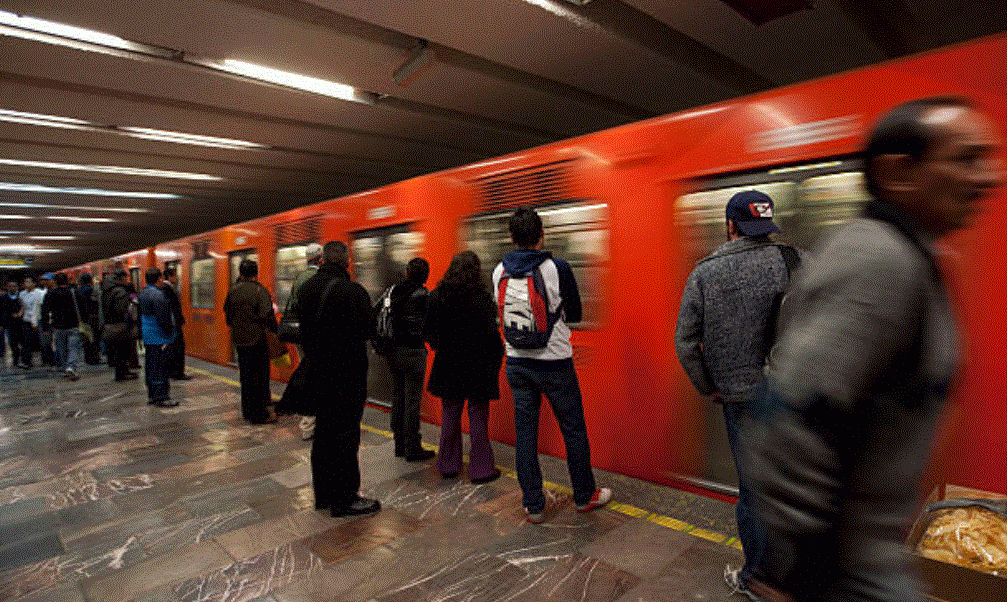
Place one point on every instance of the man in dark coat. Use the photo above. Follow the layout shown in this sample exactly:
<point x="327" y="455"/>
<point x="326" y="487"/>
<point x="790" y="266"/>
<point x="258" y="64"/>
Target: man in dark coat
<point x="89" y="299"/>
<point x="249" y="312"/>
<point x="117" y="324"/>
<point x="336" y="323"/>
<point x="176" y="353"/>
<point x="867" y="357"/>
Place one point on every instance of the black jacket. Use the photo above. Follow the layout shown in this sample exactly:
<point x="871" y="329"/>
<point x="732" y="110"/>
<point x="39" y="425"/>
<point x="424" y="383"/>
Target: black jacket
<point x="176" y="305"/>
<point x="58" y="309"/>
<point x="89" y="298"/>
<point x="248" y="309"/>
<point x="9" y="308"/>
<point x="115" y="304"/>
<point x="462" y="330"/>
<point x="335" y="334"/>
<point x="409" y="308"/>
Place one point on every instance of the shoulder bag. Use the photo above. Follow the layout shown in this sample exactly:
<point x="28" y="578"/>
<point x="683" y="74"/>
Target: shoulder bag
<point x="83" y="327"/>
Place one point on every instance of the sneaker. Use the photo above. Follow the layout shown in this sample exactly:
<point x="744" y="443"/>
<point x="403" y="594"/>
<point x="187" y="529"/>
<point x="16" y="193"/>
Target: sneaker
<point x="534" y="518"/>
<point x="357" y="507"/>
<point x="420" y="455"/>
<point x="732" y="577"/>
<point x="72" y="374"/>
<point x="601" y="496"/>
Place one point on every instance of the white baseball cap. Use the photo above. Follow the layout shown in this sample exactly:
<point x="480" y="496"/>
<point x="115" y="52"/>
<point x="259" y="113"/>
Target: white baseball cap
<point x="313" y="250"/>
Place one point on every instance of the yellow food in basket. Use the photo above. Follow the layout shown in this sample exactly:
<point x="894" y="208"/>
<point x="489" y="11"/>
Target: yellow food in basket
<point x="971" y="537"/>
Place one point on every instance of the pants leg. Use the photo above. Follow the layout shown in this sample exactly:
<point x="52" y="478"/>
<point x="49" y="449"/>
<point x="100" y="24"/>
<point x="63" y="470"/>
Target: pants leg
<point x="253" y="372"/>
<point x="33" y="343"/>
<point x="155" y="373"/>
<point x="60" y="345"/>
<point x="121" y="356"/>
<point x="176" y="367"/>
<point x="481" y="462"/>
<point x="46" y="353"/>
<point x="750" y="530"/>
<point x="563" y="392"/>
<point x="397" y="414"/>
<point x="527" y="393"/>
<point x="334" y="466"/>
<point x="15" y="338"/>
<point x="91" y="347"/>
<point x="449" y="453"/>
<point x="415" y="366"/>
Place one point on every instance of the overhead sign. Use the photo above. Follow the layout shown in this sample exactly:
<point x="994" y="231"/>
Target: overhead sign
<point x="13" y="262"/>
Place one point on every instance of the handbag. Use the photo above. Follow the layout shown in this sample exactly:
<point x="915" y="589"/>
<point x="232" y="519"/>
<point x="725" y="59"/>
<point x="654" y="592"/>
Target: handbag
<point x="84" y="328"/>
<point x="277" y="348"/>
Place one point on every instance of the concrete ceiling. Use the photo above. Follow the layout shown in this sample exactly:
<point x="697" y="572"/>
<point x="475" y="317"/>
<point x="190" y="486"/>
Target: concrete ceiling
<point x="506" y="75"/>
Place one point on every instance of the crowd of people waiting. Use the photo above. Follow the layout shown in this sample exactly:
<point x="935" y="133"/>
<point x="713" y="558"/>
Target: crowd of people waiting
<point x="67" y="324"/>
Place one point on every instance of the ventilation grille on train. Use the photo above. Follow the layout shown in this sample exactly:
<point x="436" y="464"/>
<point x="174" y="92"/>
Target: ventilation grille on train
<point x="299" y="232"/>
<point x="546" y="183"/>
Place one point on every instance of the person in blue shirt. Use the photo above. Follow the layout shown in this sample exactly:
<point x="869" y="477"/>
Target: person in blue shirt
<point x="158" y="329"/>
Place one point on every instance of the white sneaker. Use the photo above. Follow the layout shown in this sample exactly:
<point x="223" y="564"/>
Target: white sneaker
<point x="732" y="577"/>
<point x="601" y="496"/>
<point x="534" y="517"/>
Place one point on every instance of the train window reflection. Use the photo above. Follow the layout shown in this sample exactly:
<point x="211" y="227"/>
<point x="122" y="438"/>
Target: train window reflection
<point x="828" y="201"/>
<point x="290" y="261"/>
<point x="703" y="221"/>
<point x="201" y="287"/>
<point x="380" y="257"/>
<point x="576" y="232"/>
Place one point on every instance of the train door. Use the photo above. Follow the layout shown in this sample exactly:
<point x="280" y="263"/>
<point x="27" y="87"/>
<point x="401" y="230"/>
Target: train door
<point x="234" y="259"/>
<point x="379" y="260"/>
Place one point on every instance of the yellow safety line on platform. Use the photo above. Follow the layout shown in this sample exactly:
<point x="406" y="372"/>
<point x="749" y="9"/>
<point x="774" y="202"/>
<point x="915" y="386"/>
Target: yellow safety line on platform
<point x="627" y="509"/>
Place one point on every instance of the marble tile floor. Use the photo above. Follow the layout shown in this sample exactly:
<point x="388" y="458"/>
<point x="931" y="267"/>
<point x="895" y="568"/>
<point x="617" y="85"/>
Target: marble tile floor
<point x="104" y="498"/>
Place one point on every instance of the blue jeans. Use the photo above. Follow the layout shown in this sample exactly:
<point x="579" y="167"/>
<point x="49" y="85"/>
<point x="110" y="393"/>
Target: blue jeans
<point x="558" y="381"/>
<point x="751" y="531"/>
<point x="156" y="372"/>
<point x="67" y="346"/>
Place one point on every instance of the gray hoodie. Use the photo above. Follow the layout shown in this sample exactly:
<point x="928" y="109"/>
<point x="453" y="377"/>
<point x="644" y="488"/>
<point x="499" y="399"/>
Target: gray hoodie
<point x="720" y="336"/>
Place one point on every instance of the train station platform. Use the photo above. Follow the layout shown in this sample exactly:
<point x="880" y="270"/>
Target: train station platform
<point x="105" y="498"/>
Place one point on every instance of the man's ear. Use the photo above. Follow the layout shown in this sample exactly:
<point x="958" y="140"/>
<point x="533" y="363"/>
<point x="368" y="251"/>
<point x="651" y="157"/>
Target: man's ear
<point x="895" y="173"/>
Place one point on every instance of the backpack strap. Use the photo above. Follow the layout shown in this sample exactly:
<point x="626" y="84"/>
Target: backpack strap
<point x="790" y="258"/>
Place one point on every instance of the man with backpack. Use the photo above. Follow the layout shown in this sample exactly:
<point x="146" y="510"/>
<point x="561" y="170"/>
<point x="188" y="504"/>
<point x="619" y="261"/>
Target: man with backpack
<point x="537" y="295"/>
<point x="399" y="337"/>
<point x="725" y="328"/>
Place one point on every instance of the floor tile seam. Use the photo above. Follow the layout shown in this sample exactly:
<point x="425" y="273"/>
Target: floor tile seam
<point x="629" y="510"/>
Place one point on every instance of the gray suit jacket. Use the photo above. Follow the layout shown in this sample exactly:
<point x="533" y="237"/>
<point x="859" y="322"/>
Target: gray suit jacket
<point x="867" y="357"/>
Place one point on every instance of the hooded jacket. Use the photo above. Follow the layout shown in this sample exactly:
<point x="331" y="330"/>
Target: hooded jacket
<point x="563" y="296"/>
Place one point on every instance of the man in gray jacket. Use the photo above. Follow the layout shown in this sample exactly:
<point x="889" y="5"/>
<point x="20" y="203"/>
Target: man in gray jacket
<point x="721" y="339"/>
<point x="865" y="362"/>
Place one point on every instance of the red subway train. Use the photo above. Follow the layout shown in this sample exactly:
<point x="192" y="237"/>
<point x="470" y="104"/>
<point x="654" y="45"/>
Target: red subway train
<point x="633" y="208"/>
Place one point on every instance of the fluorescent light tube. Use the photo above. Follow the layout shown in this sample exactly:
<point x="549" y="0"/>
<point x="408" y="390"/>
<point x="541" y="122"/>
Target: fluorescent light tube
<point x="115" y="169"/>
<point x="184" y="138"/>
<point x="290" y="80"/>
<point x="75" y="207"/>
<point x="53" y="237"/>
<point x="66" y="31"/>
<point x="11" y="232"/>
<point x="14" y="217"/>
<point x="74" y="218"/>
<point x="88" y="191"/>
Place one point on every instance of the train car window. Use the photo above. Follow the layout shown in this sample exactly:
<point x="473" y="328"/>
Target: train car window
<point x="576" y="232"/>
<point x="704" y="224"/>
<point x="828" y="201"/>
<point x="290" y="261"/>
<point x="201" y="283"/>
<point x="236" y="257"/>
<point x="380" y="256"/>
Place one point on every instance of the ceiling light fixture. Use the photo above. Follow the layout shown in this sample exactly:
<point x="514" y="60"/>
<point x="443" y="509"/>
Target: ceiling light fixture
<point x="95" y="41"/>
<point x="53" y="237"/>
<point x="11" y="232"/>
<point x="183" y="138"/>
<point x="29" y="28"/>
<point x="7" y="216"/>
<point x="25" y="249"/>
<point x="114" y="169"/>
<point x="290" y="80"/>
<point x="16" y="187"/>
<point x="75" y="207"/>
<point x="46" y="120"/>
<point x="74" y="218"/>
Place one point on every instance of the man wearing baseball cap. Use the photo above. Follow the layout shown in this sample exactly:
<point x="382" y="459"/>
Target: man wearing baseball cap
<point x="726" y="324"/>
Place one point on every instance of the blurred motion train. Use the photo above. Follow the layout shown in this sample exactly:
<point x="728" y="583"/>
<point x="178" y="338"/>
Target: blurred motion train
<point x="633" y="208"/>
